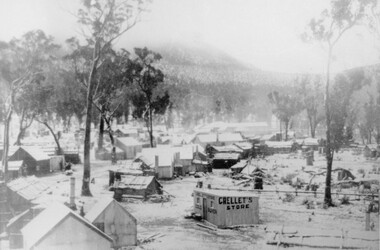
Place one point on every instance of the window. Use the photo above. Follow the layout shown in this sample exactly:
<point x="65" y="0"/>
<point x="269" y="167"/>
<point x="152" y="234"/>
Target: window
<point x="198" y="200"/>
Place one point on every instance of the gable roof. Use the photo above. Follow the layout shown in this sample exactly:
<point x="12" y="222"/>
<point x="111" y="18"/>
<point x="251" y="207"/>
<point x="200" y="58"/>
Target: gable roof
<point x="101" y="206"/>
<point x="279" y="144"/>
<point x="47" y="220"/>
<point x="165" y="156"/>
<point x="37" y="153"/>
<point x="244" y="145"/>
<point x="226" y="156"/>
<point x="29" y="187"/>
<point x="137" y="182"/>
<point x="228" y="149"/>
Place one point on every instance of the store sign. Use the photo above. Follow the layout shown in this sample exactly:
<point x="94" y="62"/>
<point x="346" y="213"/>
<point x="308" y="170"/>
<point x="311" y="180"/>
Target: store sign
<point x="234" y="203"/>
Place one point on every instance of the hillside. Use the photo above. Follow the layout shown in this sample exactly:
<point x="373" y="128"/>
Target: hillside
<point x="204" y="64"/>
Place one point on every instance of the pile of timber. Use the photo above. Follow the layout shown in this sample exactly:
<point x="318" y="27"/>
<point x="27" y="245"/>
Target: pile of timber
<point x="317" y="238"/>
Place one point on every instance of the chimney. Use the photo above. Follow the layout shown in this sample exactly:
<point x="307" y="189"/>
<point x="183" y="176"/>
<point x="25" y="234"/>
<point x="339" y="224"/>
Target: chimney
<point x="156" y="161"/>
<point x="72" y="194"/>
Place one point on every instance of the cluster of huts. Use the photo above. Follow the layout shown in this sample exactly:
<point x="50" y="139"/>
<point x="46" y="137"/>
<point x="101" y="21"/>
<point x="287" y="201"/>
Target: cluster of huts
<point x="36" y="160"/>
<point x="30" y="220"/>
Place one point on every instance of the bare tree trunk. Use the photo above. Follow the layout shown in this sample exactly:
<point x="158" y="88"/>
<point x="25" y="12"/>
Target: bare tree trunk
<point x="23" y="128"/>
<point x="56" y="139"/>
<point x="286" y="130"/>
<point x="101" y="132"/>
<point x="151" y="128"/>
<point x="87" y="136"/>
<point x="329" y="148"/>
<point x="113" y="152"/>
<point x="6" y="141"/>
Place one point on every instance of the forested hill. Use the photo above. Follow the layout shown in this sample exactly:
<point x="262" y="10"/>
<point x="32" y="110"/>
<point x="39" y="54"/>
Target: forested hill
<point x="205" y="64"/>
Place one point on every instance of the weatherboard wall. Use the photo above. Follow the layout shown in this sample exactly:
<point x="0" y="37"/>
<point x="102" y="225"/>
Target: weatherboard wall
<point x="225" y="209"/>
<point x="117" y="223"/>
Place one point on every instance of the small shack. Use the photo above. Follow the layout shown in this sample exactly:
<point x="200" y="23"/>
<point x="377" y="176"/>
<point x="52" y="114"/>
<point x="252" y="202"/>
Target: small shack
<point x="15" y="169"/>
<point x="115" y="221"/>
<point x="22" y="192"/>
<point x="161" y="160"/>
<point x="279" y="147"/>
<point x="129" y="145"/>
<point x="14" y="226"/>
<point x="225" y="208"/>
<point x="225" y="160"/>
<point x="58" y="227"/>
<point x="141" y="186"/>
<point x="36" y="161"/>
<point x="127" y="132"/>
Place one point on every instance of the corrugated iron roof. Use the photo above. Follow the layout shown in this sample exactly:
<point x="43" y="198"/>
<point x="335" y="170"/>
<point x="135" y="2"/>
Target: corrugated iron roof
<point x="136" y="182"/>
<point x="226" y="156"/>
<point x="240" y="164"/>
<point x="229" y="148"/>
<point x="279" y="144"/>
<point x="244" y="145"/>
<point x="29" y="188"/>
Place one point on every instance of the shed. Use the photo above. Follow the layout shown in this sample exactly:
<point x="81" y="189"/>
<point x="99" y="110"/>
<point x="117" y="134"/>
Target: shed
<point x="159" y="159"/>
<point x="127" y="132"/>
<point x="23" y="191"/>
<point x="246" y="147"/>
<point x="115" y="221"/>
<point x="129" y="145"/>
<point x="15" y="169"/>
<point x="279" y="147"/>
<point x="105" y="154"/>
<point x="15" y="225"/>
<point x="225" y="208"/>
<point x="137" y="185"/>
<point x="238" y="167"/>
<point x="225" y="160"/>
<point x="58" y="227"/>
<point x="35" y="159"/>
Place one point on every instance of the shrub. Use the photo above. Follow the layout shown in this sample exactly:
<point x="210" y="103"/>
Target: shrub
<point x="288" y="197"/>
<point x="345" y="200"/>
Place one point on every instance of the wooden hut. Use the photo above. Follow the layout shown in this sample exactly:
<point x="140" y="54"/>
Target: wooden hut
<point x="23" y="192"/>
<point x="127" y="132"/>
<point x="58" y="227"/>
<point x="279" y="147"/>
<point x="246" y="147"/>
<point x="161" y="160"/>
<point x="115" y="221"/>
<point x="14" y="226"/>
<point x="142" y="186"/>
<point x="130" y="146"/>
<point x="225" y="208"/>
<point x="15" y="169"/>
<point x="225" y="160"/>
<point x="35" y="160"/>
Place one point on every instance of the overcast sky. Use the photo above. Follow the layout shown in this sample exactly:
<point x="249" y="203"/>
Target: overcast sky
<point x="263" y="33"/>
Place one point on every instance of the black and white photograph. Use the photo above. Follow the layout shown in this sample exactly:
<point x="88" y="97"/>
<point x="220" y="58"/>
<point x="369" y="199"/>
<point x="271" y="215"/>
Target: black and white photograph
<point x="189" y="124"/>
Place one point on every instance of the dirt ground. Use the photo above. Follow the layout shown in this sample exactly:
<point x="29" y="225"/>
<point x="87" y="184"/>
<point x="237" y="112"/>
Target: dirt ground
<point x="172" y="231"/>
